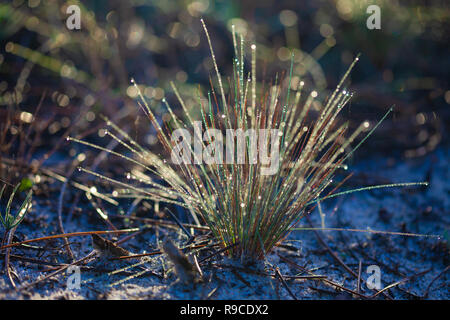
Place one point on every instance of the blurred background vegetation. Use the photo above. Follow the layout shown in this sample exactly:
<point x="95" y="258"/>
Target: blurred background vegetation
<point x="55" y="82"/>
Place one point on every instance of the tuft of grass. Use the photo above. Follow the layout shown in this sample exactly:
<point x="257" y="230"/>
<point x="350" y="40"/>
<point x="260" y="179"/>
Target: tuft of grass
<point x="245" y="210"/>
<point x="8" y="220"/>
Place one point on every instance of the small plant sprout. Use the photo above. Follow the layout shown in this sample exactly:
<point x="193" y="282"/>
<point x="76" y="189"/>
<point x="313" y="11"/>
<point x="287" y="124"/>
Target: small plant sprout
<point x="247" y="211"/>
<point x="8" y="220"/>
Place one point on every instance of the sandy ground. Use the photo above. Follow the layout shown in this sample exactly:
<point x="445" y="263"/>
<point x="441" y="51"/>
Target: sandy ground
<point x="419" y="263"/>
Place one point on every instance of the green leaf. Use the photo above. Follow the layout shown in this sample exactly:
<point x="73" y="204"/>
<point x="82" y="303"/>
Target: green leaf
<point x="25" y="184"/>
